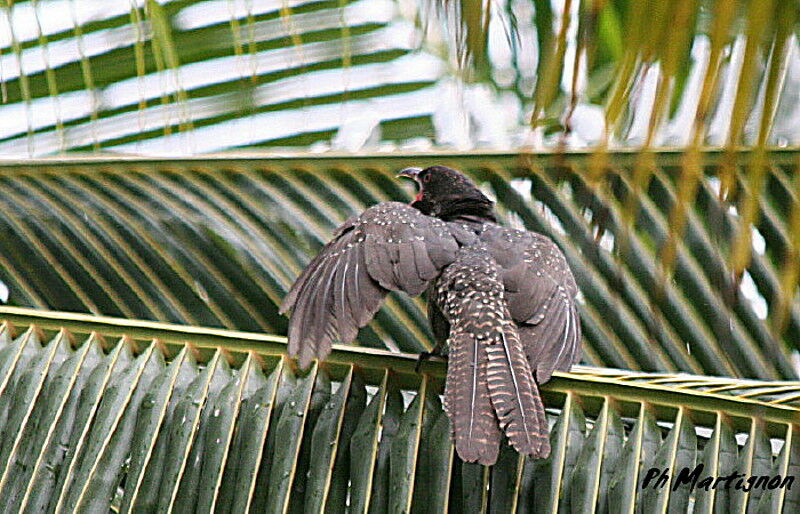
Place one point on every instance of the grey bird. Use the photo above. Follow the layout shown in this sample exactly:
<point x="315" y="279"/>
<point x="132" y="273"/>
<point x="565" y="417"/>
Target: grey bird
<point x="502" y="302"/>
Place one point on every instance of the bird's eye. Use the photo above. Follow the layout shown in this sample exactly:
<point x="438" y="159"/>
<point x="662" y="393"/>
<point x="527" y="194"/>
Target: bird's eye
<point x="426" y="177"/>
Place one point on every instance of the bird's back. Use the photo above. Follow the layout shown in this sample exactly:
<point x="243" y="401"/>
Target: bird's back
<point x="538" y="289"/>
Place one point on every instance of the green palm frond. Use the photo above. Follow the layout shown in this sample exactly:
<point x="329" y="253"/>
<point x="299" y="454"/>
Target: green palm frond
<point x="684" y="72"/>
<point x="198" y="75"/>
<point x="98" y="412"/>
<point x="204" y="75"/>
<point x="218" y="241"/>
<point x="688" y="260"/>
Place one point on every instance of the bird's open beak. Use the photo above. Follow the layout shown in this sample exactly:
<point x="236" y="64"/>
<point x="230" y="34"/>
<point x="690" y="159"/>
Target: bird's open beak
<point x="410" y="173"/>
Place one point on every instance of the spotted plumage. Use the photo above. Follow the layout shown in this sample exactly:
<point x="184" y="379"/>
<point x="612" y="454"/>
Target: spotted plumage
<point x="501" y="301"/>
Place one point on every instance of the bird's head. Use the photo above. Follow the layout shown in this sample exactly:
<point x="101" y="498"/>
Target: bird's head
<point x="448" y="194"/>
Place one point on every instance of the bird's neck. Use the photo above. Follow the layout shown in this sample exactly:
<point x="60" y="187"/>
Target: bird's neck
<point x="459" y="209"/>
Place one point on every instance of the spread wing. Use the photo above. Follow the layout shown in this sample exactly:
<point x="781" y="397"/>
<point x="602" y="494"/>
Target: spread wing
<point x="541" y="297"/>
<point x="389" y="247"/>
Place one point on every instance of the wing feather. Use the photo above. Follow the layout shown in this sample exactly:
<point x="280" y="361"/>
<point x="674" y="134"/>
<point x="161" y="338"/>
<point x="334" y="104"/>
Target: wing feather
<point x="426" y="270"/>
<point x="541" y="297"/>
<point x="389" y="247"/>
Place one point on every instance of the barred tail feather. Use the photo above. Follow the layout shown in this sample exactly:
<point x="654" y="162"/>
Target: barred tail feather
<point x="486" y="352"/>
<point x="466" y="400"/>
<point x="514" y="394"/>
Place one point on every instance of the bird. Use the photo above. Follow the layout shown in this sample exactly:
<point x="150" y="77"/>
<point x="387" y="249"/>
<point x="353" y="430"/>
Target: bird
<point x="502" y="305"/>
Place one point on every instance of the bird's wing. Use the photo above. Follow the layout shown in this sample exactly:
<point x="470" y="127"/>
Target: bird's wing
<point x="389" y="247"/>
<point x="489" y="380"/>
<point x="541" y="297"/>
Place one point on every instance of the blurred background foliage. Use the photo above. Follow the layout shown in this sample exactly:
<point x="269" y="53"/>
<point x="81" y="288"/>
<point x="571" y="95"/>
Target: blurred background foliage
<point x="690" y="257"/>
<point x="188" y="76"/>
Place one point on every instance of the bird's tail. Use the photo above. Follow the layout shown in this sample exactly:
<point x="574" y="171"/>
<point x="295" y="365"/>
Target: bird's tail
<point x="466" y="399"/>
<point x="489" y="380"/>
<point x="489" y="383"/>
<point x="514" y="393"/>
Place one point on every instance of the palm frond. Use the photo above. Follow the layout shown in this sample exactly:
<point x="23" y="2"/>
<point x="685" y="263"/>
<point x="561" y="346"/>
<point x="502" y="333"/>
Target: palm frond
<point x="198" y="75"/>
<point x="101" y="412"/>
<point x="218" y="241"/>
